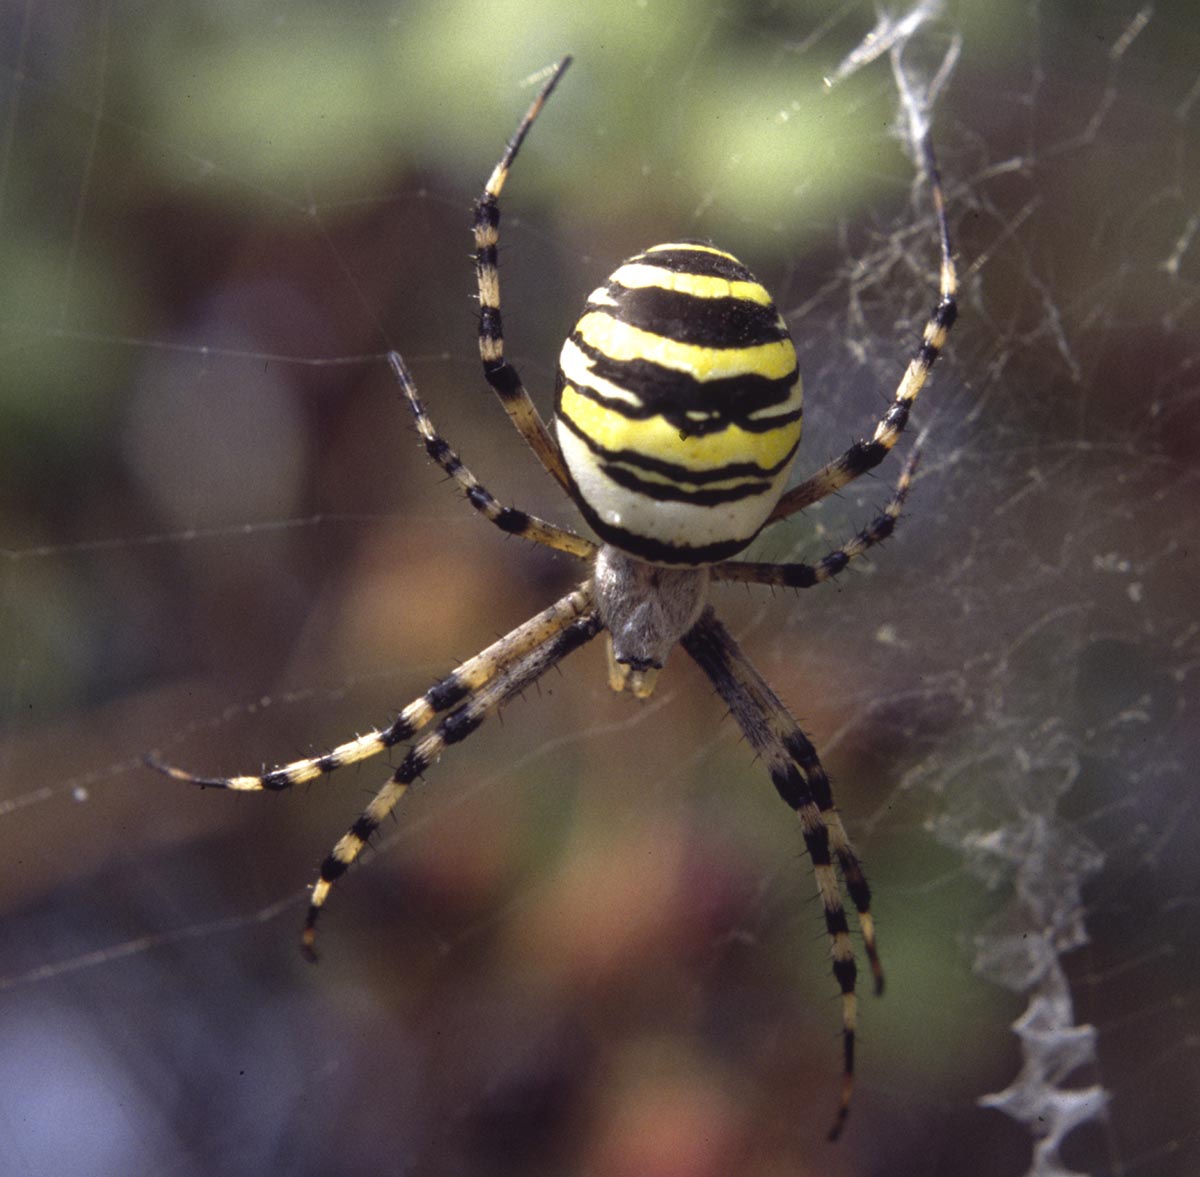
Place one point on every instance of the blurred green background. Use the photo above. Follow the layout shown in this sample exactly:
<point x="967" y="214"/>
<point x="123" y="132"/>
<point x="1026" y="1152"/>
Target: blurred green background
<point x="592" y="944"/>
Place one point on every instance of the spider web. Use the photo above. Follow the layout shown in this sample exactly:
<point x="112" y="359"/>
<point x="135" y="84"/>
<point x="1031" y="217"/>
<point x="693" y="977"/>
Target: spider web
<point x="590" y="943"/>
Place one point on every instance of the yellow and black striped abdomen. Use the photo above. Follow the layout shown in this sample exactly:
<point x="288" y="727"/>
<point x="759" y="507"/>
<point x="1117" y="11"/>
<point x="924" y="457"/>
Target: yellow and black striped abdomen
<point x="678" y="406"/>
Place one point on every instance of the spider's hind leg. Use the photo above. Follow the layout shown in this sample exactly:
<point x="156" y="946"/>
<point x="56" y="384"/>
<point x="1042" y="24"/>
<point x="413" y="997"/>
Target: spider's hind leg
<point x="866" y="455"/>
<point x="508" y="519"/>
<point x="796" y="575"/>
<point x="498" y="372"/>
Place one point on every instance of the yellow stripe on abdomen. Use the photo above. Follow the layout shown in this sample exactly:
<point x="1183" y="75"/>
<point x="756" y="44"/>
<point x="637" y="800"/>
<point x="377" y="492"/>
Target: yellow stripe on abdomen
<point x="619" y="341"/>
<point x="613" y="432"/>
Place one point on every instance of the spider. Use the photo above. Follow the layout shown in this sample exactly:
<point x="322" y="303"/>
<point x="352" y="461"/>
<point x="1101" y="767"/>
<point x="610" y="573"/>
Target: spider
<point x="678" y="412"/>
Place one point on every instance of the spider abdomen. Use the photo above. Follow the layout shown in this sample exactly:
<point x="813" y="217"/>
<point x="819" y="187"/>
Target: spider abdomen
<point x="679" y="405"/>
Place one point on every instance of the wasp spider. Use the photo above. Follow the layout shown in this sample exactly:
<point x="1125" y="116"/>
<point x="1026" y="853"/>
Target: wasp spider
<point x="677" y="418"/>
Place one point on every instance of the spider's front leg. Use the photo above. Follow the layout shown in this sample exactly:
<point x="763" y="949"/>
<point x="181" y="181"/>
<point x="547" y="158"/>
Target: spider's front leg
<point x="463" y="699"/>
<point x="567" y="625"/>
<point x="797" y="774"/>
<point x="449" y="692"/>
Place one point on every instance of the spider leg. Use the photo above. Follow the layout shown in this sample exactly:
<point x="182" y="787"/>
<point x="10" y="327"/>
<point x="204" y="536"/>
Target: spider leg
<point x="498" y="372"/>
<point x="512" y="675"/>
<point x="797" y="774"/>
<point x="866" y="455"/>
<point x="508" y="519"/>
<point x="471" y="677"/>
<point x="807" y="575"/>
